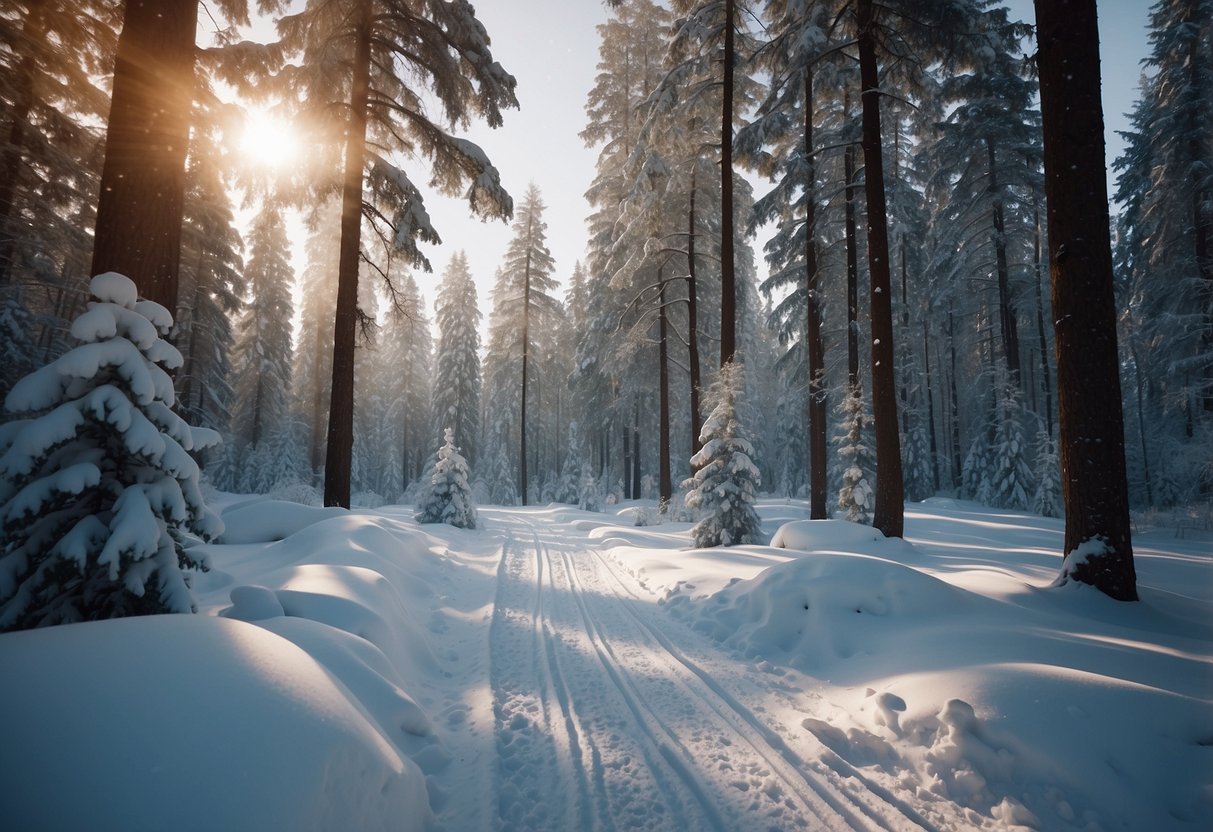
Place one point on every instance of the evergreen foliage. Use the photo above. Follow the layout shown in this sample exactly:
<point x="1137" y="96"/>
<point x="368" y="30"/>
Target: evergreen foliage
<point x="457" y="378"/>
<point x="856" y="497"/>
<point x="726" y="480"/>
<point x="98" y="492"/>
<point x="446" y="497"/>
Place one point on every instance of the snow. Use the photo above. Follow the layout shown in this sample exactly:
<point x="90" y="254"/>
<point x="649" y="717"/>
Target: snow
<point x="564" y="669"/>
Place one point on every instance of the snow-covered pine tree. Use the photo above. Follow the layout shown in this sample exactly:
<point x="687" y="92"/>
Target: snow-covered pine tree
<point x="566" y="487"/>
<point x="501" y="478"/>
<point x="1047" y="500"/>
<point x="446" y="497"/>
<point x="262" y="356"/>
<point x="98" y="492"/>
<point x="856" y="498"/>
<point x="975" y="473"/>
<point x="1010" y="472"/>
<point x="457" y="359"/>
<point x="589" y="494"/>
<point x="725" y="480"/>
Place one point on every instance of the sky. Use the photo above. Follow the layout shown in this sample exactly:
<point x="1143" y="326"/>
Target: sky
<point x="551" y="47"/>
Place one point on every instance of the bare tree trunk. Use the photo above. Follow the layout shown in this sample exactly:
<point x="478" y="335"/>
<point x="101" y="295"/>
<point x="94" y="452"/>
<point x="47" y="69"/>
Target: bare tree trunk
<point x="1006" y="309"/>
<point x="926" y="363"/>
<point x="1098" y="544"/>
<point x="693" y="324"/>
<point x="666" y="485"/>
<point x="1040" y="319"/>
<point x="852" y="244"/>
<point x="814" y="351"/>
<point x="339" y="453"/>
<point x="889" y="515"/>
<point x="526" y="352"/>
<point x="142" y="199"/>
<point x="636" y="490"/>
<point x="728" y="276"/>
<point x="955" y="399"/>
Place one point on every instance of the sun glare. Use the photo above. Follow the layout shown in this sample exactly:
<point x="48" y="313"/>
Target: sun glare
<point x="269" y="141"/>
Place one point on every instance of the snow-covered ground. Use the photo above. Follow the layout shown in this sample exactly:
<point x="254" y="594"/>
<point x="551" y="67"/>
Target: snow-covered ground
<point x="566" y="670"/>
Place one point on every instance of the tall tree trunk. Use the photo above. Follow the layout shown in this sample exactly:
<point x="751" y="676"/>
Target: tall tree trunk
<point x="636" y="490"/>
<point x="1040" y="317"/>
<point x="814" y="352"/>
<point x="140" y="208"/>
<point x="1098" y="544"/>
<point x="955" y="399"/>
<point x="523" y="475"/>
<point x="1006" y="309"/>
<point x="926" y="363"/>
<point x="852" y="245"/>
<point x="693" y="324"/>
<point x="728" y="276"/>
<point x="1141" y="423"/>
<point x="889" y="515"/>
<point x="339" y="453"/>
<point x="666" y="485"/>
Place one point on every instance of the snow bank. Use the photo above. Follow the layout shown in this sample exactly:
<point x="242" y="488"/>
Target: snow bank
<point x="190" y="722"/>
<point x="264" y="521"/>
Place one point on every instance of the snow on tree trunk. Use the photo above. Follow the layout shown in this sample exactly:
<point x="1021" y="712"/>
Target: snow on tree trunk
<point x="446" y="496"/>
<point x="98" y="493"/>
<point x="726" y="478"/>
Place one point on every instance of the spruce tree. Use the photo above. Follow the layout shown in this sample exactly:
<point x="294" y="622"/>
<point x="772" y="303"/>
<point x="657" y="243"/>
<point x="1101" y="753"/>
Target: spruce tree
<point x="446" y="496"/>
<point x="457" y="379"/>
<point x="856" y="498"/>
<point x="726" y="480"/>
<point x="98" y="492"/>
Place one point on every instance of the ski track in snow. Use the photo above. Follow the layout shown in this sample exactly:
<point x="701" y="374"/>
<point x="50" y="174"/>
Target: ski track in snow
<point x="611" y="715"/>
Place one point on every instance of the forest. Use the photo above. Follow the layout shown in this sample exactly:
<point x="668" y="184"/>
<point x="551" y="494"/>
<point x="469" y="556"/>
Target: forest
<point x="830" y="219"/>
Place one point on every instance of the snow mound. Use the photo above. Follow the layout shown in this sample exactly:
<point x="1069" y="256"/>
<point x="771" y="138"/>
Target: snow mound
<point x="235" y="728"/>
<point x="811" y="612"/>
<point x="265" y="521"/>
<point x="824" y="535"/>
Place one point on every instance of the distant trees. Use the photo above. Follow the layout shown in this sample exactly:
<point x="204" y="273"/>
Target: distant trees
<point x="457" y="378"/>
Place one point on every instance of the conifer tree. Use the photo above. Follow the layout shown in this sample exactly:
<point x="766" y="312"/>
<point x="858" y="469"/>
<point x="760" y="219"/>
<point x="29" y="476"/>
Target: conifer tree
<point x="446" y="496"/>
<point x="726" y="480"/>
<point x="263" y="355"/>
<point x="98" y="492"/>
<point x="457" y="378"/>
<point x="856" y="498"/>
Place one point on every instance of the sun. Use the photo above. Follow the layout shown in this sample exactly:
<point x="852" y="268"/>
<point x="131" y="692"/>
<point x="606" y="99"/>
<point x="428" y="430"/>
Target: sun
<point x="268" y="140"/>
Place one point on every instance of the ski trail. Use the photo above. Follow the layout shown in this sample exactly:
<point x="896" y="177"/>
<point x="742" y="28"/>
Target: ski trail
<point x="603" y="721"/>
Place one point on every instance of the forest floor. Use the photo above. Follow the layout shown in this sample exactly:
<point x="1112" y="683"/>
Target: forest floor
<point x="569" y="670"/>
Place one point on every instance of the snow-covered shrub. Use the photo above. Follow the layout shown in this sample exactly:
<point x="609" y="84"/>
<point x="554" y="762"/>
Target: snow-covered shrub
<point x="856" y="498"/>
<point x="98" y="492"/>
<point x="447" y="497"/>
<point x="726" y="478"/>
<point x="589" y="495"/>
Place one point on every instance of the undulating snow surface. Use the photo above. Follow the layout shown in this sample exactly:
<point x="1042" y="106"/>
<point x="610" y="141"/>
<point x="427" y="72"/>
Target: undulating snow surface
<point x="561" y="669"/>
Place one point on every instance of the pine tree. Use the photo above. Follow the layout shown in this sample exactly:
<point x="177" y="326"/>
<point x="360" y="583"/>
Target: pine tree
<point x="523" y="306"/>
<point x="263" y="354"/>
<point x="98" y="492"/>
<point x="447" y="497"/>
<point x="457" y="377"/>
<point x="1047" y="499"/>
<point x="726" y="480"/>
<point x="856" y="498"/>
<point x="1012" y="482"/>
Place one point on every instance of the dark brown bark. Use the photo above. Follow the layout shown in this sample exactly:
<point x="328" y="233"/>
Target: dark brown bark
<point x="889" y="514"/>
<point x="814" y="348"/>
<point x="693" y="324"/>
<point x="1006" y="309"/>
<point x="139" y="212"/>
<point x="1038" y="265"/>
<point x="955" y="400"/>
<point x="636" y="490"/>
<point x="666" y="484"/>
<point x="1094" y="486"/>
<point x="926" y="363"/>
<point x="728" y="276"/>
<point x="339" y="454"/>
<point x="852" y="245"/>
